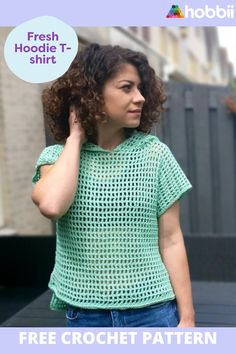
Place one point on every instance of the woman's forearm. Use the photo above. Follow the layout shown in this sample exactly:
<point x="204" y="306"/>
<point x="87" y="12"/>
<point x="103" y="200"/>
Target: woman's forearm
<point x="175" y="259"/>
<point x="55" y="191"/>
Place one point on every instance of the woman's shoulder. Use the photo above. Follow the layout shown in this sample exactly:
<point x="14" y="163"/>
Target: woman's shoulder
<point x="152" y="142"/>
<point x="53" y="148"/>
<point x="51" y="152"/>
<point x="47" y="157"/>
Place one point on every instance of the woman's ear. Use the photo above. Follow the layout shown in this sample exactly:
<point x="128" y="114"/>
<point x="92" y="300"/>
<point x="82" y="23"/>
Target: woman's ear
<point x="105" y="117"/>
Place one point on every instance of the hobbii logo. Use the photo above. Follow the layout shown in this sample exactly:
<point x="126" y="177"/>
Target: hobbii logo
<point x="209" y="12"/>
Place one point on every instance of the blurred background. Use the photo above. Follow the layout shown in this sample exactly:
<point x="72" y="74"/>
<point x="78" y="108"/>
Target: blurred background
<point x="197" y="65"/>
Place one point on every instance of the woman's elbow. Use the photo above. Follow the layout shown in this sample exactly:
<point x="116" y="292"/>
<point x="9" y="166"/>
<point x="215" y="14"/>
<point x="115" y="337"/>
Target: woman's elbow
<point x="47" y="209"/>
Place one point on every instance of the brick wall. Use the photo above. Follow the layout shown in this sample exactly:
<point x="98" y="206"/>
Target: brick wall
<point x="21" y="141"/>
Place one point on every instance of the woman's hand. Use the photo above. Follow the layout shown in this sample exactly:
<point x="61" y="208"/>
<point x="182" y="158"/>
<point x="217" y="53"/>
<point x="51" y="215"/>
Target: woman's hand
<point x="187" y="320"/>
<point x="186" y="323"/>
<point x="75" y="126"/>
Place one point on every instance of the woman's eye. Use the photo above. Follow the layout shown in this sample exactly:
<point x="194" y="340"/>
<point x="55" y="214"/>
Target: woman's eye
<point x="126" y="88"/>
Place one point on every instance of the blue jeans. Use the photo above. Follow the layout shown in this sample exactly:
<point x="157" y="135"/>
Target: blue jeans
<point x="164" y="314"/>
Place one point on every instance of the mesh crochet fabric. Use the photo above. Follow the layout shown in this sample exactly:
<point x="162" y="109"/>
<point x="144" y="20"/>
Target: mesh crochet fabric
<point x="107" y="252"/>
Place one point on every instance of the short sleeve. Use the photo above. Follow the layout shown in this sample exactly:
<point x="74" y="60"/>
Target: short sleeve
<point x="48" y="157"/>
<point x="172" y="182"/>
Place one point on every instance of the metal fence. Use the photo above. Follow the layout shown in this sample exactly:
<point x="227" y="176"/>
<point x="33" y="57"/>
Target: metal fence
<point x="202" y="136"/>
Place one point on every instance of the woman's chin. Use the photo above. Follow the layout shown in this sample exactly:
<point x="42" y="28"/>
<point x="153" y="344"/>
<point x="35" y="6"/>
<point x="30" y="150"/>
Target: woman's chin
<point x="133" y="124"/>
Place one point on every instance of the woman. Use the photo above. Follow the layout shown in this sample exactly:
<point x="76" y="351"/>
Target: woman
<point x="113" y="190"/>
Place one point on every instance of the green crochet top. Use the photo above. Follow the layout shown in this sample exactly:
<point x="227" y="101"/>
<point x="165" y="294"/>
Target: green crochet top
<point x="107" y="254"/>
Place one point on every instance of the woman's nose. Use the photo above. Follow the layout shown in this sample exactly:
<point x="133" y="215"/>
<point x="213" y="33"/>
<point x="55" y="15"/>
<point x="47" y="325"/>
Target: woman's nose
<point x="138" y="97"/>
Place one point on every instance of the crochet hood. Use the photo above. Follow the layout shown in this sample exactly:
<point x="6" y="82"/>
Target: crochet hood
<point x="137" y="140"/>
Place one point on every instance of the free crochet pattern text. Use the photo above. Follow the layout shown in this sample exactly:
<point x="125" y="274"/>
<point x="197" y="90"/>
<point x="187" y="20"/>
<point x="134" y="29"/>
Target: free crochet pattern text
<point x="118" y="337"/>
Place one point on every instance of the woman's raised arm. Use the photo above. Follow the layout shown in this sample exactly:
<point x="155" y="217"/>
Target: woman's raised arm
<point x="55" y="191"/>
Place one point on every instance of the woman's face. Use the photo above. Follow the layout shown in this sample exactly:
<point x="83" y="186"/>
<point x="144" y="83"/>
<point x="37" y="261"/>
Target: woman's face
<point x="123" y="100"/>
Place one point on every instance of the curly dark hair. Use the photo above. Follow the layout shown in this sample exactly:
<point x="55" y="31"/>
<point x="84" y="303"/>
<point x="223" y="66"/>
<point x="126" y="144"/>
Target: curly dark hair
<point x="81" y="86"/>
